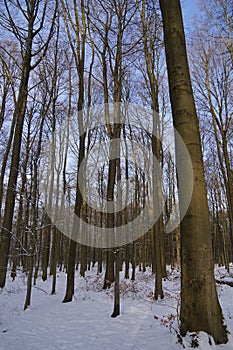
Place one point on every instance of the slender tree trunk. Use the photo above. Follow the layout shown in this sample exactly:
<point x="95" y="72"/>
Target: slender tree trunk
<point x="79" y="53"/>
<point x="127" y="262"/>
<point x="73" y="243"/>
<point x="116" y="310"/>
<point x="30" y="272"/>
<point x="4" y="161"/>
<point x="152" y="74"/>
<point x="133" y="261"/>
<point x="14" y="169"/>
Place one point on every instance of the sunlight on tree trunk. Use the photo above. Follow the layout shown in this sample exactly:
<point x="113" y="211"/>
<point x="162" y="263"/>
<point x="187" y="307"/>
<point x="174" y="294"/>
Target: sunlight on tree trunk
<point x="200" y="308"/>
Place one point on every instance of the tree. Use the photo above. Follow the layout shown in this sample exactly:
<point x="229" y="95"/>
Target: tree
<point x="152" y="53"/>
<point x="200" y="308"/>
<point x="78" y="29"/>
<point x="219" y="14"/>
<point x="9" y="74"/>
<point x="34" y="15"/>
<point x="212" y="76"/>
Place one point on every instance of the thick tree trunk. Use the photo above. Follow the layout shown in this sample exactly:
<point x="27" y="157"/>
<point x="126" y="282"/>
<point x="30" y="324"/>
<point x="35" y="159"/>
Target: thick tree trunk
<point x="109" y="273"/>
<point x="200" y="308"/>
<point x="70" y="272"/>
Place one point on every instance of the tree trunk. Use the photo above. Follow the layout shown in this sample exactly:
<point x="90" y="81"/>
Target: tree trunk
<point x="30" y="273"/>
<point x="200" y="308"/>
<point x="116" y="309"/>
<point x="79" y="53"/>
<point x="14" y="169"/>
<point x="4" y="161"/>
<point x="153" y="75"/>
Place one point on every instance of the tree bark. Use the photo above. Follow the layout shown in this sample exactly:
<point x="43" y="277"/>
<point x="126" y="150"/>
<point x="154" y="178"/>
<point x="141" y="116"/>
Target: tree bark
<point x="200" y="308"/>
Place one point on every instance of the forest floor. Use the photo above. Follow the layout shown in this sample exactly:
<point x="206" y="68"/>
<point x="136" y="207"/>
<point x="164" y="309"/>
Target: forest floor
<point x="86" y="324"/>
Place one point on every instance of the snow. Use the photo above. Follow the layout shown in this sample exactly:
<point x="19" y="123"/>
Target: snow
<point x="85" y="323"/>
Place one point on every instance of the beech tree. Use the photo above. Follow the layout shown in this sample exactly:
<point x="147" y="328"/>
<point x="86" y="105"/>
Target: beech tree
<point x="9" y="74"/>
<point x="69" y="55"/>
<point x="219" y="17"/>
<point x="212" y="77"/>
<point x="76" y="32"/>
<point x="200" y="308"/>
<point x="34" y="15"/>
<point x="152" y="52"/>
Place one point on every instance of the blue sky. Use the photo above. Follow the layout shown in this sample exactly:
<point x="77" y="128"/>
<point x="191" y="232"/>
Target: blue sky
<point x="189" y="9"/>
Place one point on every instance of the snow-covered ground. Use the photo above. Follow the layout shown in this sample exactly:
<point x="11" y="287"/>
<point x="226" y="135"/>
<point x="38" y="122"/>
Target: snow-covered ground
<point x="86" y="324"/>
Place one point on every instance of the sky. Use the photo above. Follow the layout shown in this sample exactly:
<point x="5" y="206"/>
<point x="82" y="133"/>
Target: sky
<point x="189" y="9"/>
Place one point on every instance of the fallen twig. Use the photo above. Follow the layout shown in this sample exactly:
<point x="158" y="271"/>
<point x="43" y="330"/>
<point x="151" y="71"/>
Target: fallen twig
<point x="228" y="283"/>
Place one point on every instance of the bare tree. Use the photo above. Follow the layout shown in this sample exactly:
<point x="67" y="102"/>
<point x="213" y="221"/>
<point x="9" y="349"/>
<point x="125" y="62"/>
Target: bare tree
<point x="77" y="29"/>
<point x="32" y="51"/>
<point x="212" y="76"/>
<point x="200" y="308"/>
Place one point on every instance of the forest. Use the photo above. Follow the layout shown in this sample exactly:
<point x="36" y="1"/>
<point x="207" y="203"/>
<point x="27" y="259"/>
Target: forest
<point x="116" y="152"/>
